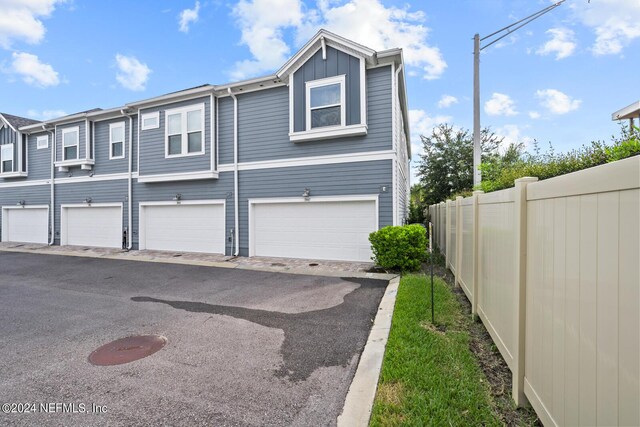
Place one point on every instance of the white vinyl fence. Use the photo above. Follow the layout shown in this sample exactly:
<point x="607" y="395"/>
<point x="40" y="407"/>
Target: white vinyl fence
<point x="552" y="268"/>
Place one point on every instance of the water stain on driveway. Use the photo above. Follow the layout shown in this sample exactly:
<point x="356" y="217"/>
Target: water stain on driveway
<point x="313" y="339"/>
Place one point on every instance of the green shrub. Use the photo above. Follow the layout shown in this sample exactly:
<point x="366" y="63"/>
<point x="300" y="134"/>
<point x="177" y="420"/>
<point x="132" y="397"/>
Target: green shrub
<point x="400" y="248"/>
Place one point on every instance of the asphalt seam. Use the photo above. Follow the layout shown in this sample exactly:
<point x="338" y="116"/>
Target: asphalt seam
<point x="359" y="401"/>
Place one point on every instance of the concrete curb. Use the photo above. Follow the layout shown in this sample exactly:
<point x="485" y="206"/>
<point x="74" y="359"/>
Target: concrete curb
<point x="359" y="402"/>
<point x="228" y="264"/>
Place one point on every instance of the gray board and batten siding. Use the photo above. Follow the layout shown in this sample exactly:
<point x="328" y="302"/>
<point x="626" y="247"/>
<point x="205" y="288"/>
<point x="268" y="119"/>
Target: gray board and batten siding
<point x="336" y="64"/>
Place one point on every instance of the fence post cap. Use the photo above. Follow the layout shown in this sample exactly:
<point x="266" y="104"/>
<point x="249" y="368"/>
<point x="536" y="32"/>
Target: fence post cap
<point x="459" y="198"/>
<point x="476" y="192"/>
<point x="526" y="179"/>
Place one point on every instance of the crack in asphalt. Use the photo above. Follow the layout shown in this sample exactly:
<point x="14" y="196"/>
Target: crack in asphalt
<point x="314" y="339"/>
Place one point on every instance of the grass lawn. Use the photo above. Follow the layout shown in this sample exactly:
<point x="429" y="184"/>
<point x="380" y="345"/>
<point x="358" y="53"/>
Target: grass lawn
<point x="429" y="375"/>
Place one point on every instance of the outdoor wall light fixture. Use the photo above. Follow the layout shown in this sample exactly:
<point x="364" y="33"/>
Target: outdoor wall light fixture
<point x="20" y="203"/>
<point x="88" y="200"/>
<point x="177" y="197"/>
<point x="306" y="193"/>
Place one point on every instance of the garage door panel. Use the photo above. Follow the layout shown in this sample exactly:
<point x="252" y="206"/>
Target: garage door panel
<point x="316" y="230"/>
<point x="27" y="225"/>
<point x="99" y="226"/>
<point x="184" y="228"/>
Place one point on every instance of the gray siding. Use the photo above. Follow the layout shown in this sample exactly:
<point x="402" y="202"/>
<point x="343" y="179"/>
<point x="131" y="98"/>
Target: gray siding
<point x="103" y="164"/>
<point x="114" y="191"/>
<point x="39" y="161"/>
<point x="265" y="136"/>
<point x="220" y="189"/>
<point x="323" y="180"/>
<point x="225" y="129"/>
<point x="32" y="195"/>
<point x="152" y="144"/>
<point x="82" y="152"/>
<point x="337" y="63"/>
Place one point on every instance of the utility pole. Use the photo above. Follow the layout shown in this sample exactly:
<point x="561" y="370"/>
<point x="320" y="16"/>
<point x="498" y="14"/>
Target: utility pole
<point x="477" y="149"/>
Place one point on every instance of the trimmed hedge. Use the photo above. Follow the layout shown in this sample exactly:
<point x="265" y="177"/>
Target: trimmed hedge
<point x="400" y="248"/>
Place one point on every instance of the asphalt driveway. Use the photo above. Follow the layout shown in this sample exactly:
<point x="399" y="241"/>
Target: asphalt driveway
<point x="244" y="347"/>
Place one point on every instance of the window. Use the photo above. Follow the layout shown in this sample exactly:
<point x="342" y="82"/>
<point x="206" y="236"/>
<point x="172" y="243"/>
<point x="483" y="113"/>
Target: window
<point x="151" y="120"/>
<point x="6" y="158"/>
<point x="116" y="140"/>
<point x="325" y="103"/>
<point x="42" y="142"/>
<point x="184" y="130"/>
<point x="70" y="143"/>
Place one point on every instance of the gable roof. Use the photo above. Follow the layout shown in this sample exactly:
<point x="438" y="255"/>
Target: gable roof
<point x="16" y="122"/>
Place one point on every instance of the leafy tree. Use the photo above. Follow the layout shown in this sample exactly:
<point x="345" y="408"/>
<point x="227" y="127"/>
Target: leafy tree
<point x="446" y="165"/>
<point x="416" y="205"/>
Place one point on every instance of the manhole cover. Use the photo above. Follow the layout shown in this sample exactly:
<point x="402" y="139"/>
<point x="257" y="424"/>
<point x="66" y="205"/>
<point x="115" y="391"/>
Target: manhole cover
<point x="127" y="350"/>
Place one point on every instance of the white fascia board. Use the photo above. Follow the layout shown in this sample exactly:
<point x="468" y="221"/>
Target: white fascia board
<point x="628" y="112"/>
<point x="172" y="97"/>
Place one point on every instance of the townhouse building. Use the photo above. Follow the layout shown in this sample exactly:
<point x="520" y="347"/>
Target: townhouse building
<point x="304" y="163"/>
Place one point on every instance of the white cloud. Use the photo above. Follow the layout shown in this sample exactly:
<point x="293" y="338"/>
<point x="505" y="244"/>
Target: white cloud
<point x="534" y="115"/>
<point x="500" y="105"/>
<point x="46" y="114"/>
<point x="562" y="43"/>
<point x="32" y="71"/>
<point x="616" y="23"/>
<point x="132" y="74"/>
<point x="369" y="22"/>
<point x="447" y="101"/>
<point x="21" y="20"/>
<point x="512" y="134"/>
<point x="557" y="102"/>
<point x="262" y="23"/>
<point x="188" y="16"/>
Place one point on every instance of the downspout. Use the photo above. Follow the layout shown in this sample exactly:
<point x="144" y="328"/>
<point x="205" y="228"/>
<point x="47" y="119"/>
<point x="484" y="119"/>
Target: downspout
<point x="53" y="193"/>
<point x="129" y="189"/>
<point x="235" y="171"/>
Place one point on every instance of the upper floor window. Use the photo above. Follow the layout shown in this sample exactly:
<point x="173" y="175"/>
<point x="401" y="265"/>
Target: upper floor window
<point x="42" y="142"/>
<point x="116" y="140"/>
<point x="325" y="102"/>
<point x="151" y="120"/>
<point x="70" y="143"/>
<point x="6" y="158"/>
<point x="184" y="131"/>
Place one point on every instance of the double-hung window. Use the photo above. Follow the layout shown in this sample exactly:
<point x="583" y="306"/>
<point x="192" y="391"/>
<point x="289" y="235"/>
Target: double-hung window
<point x="70" y="143"/>
<point x="325" y="102"/>
<point x="116" y="140"/>
<point x="185" y="131"/>
<point x="6" y="158"/>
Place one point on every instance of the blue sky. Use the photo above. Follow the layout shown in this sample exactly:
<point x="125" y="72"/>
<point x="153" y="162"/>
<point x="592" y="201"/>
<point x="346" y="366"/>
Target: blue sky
<point x="557" y="79"/>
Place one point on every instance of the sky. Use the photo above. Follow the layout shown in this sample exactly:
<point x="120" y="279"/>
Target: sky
<point x="556" y="80"/>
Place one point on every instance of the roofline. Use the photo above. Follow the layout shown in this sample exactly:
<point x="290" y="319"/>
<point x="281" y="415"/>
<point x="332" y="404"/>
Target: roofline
<point x="7" y="122"/>
<point x="628" y="112"/>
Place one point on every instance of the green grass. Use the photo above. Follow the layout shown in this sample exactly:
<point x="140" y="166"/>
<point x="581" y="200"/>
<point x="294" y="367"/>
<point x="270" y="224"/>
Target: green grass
<point x="429" y="375"/>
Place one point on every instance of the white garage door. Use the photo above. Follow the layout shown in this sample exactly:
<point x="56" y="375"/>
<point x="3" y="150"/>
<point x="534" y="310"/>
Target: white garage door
<point x="94" y="225"/>
<point x="27" y="225"/>
<point x="332" y="230"/>
<point x="187" y="227"/>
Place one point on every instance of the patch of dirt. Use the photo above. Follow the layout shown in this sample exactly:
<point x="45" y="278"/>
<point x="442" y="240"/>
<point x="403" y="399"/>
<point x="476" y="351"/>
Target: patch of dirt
<point x="493" y="366"/>
<point x="391" y="393"/>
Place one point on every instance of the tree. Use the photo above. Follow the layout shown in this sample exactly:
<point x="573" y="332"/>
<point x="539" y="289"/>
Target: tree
<point x="416" y="206"/>
<point x="446" y="165"/>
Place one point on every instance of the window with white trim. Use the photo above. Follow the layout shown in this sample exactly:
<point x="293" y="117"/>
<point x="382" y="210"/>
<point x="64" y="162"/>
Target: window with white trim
<point x="70" y="143"/>
<point x="116" y="141"/>
<point x="42" y="142"/>
<point x="150" y="120"/>
<point x="6" y="158"/>
<point x="325" y="103"/>
<point x="184" y="131"/>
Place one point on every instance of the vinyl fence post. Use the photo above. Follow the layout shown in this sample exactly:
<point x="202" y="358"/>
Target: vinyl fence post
<point x="458" y="225"/>
<point x="476" y="252"/>
<point x="520" y="278"/>
<point x="447" y="237"/>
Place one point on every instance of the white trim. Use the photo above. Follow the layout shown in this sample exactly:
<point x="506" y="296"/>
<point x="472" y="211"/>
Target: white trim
<point x="86" y="140"/>
<point x="328" y="81"/>
<point x="212" y="143"/>
<point x="184" y="131"/>
<point x="211" y="202"/>
<point x="8" y="123"/>
<point x="311" y="161"/>
<point x="217" y="130"/>
<point x="95" y="178"/>
<point x="112" y="142"/>
<point x="314" y="199"/>
<point x="328" y="132"/>
<point x="152" y="115"/>
<point x="138" y="143"/>
<point x="63" y="216"/>
<point x="363" y="92"/>
<point x="394" y="131"/>
<point x="5" y="147"/>
<point x="291" y="105"/>
<point x="5" y="225"/>
<point x="182" y="176"/>
<point x="268" y="84"/>
<point x="24" y="183"/>
<point x="77" y="144"/>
